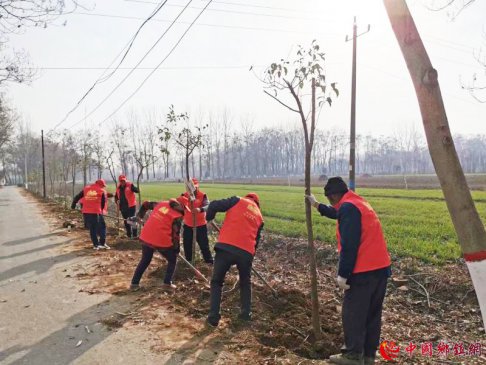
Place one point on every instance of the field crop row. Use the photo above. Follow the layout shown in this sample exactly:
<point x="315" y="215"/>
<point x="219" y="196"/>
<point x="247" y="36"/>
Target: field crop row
<point x="416" y="222"/>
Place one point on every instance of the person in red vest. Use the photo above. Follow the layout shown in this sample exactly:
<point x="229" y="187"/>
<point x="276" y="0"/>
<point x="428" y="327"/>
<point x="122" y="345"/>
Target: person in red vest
<point x="237" y="243"/>
<point x="160" y="233"/>
<point x="364" y="269"/>
<point x="94" y="201"/>
<point x="126" y="200"/>
<point x="200" y="204"/>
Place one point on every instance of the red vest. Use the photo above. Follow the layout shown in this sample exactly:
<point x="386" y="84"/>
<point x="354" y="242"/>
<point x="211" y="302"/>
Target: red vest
<point x="201" y="216"/>
<point x="129" y="194"/>
<point x="241" y="225"/>
<point x="92" y="199"/>
<point x="157" y="231"/>
<point x="372" y="251"/>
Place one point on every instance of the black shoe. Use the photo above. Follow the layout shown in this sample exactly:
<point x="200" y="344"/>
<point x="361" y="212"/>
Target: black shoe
<point x="212" y="322"/>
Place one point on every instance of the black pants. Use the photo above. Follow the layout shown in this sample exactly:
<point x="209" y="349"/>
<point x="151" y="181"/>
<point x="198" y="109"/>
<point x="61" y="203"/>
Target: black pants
<point x="202" y="240"/>
<point x="222" y="263"/>
<point x="147" y="253"/>
<point x="127" y="213"/>
<point x="97" y="227"/>
<point x="361" y="315"/>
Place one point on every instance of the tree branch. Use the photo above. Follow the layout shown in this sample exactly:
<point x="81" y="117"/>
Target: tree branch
<point x="281" y="102"/>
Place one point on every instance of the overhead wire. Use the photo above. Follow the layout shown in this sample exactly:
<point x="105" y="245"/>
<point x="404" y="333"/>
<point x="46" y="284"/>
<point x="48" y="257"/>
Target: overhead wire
<point x="102" y="78"/>
<point x="234" y="11"/>
<point x="246" y="5"/>
<point x="128" y="17"/>
<point x="160" y="64"/>
<point x="136" y="66"/>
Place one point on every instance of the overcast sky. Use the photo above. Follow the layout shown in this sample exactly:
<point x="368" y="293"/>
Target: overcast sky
<point x="209" y="70"/>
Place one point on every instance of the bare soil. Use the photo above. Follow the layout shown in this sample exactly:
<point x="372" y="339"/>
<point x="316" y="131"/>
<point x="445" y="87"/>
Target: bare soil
<point x="424" y="303"/>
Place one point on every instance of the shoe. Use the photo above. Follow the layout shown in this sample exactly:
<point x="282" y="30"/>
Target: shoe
<point x="170" y="286"/>
<point x="105" y="246"/>
<point x="96" y="248"/>
<point x="134" y="287"/>
<point x="212" y="323"/>
<point x="346" y="359"/>
<point x="368" y="360"/>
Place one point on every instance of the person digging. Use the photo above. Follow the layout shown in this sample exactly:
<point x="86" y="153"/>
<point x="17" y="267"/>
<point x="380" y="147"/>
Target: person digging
<point x="126" y="199"/>
<point x="237" y="242"/>
<point x="94" y="200"/>
<point x="199" y="205"/>
<point x="363" y="272"/>
<point x="160" y="233"/>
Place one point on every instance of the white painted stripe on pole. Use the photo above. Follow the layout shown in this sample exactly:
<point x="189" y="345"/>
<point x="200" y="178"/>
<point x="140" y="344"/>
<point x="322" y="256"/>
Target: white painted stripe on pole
<point x="477" y="269"/>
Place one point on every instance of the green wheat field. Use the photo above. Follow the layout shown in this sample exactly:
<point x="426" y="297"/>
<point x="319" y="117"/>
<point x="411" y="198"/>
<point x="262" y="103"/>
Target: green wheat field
<point x="416" y="222"/>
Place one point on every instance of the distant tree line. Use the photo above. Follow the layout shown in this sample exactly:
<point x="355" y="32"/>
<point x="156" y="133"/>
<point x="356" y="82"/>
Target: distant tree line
<point x="142" y="146"/>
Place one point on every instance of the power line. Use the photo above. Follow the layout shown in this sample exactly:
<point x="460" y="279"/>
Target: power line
<point x="103" y="77"/>
<point x="136" y="66"/>
<point x="239" y="4"/>
<point x="233" y="11"/>
<point x="114" y="16"/>
<point x="195" y="67"/>
<point x="160" y="64"/>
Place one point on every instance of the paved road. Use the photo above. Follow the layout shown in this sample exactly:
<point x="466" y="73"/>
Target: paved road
<point x="43" y="314"/>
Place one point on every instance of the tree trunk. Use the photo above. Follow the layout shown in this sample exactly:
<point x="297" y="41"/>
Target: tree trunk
<point x="316" y="323"/>
<point x="191" y="206"/>
<point x="467" y="223"/>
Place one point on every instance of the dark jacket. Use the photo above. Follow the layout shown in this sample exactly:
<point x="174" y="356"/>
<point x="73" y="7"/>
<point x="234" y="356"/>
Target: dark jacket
<point x="223" y="205"/>
<point x="349" y="218"/>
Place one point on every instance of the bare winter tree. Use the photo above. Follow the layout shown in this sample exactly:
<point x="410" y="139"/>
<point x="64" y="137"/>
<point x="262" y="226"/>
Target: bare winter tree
<point x="17" y="14"/>
<point x="15" y="66"/>
<point x="6" y="123"/>
<point x="305" y="73"/>
<point x="118" y="137"/>
<point x="99" y="152"/>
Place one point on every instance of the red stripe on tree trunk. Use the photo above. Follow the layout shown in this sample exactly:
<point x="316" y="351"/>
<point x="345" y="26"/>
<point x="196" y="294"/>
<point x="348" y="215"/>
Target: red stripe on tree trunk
<point x="475" y="256"/>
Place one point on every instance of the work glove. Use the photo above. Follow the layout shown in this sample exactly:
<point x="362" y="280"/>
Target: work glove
<point x="342" y="283"/>
<point x="312" y="200"/>
<point x="133" y="221"/>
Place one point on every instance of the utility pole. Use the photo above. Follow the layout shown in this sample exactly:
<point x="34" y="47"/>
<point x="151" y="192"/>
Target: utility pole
<point x="43" y="167"/>
<point x="26" y="183"/>
<point x="352" y="138"/>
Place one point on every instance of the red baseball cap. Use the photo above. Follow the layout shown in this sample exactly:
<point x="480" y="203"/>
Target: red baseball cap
<point x="182" y="201"/>
<point x="122" y="178"/>
<point x="101" y="182"/>
<point x="254" y="197"/>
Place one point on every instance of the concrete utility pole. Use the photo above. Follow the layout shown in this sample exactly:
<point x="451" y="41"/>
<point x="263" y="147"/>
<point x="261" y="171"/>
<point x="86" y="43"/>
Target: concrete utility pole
<point x="352" y="138"/>
<point x="43" y="167"/>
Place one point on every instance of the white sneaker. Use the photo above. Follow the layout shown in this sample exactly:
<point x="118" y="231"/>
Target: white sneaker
<point x="96" y="248"/>
<point x="105" y="246"/>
